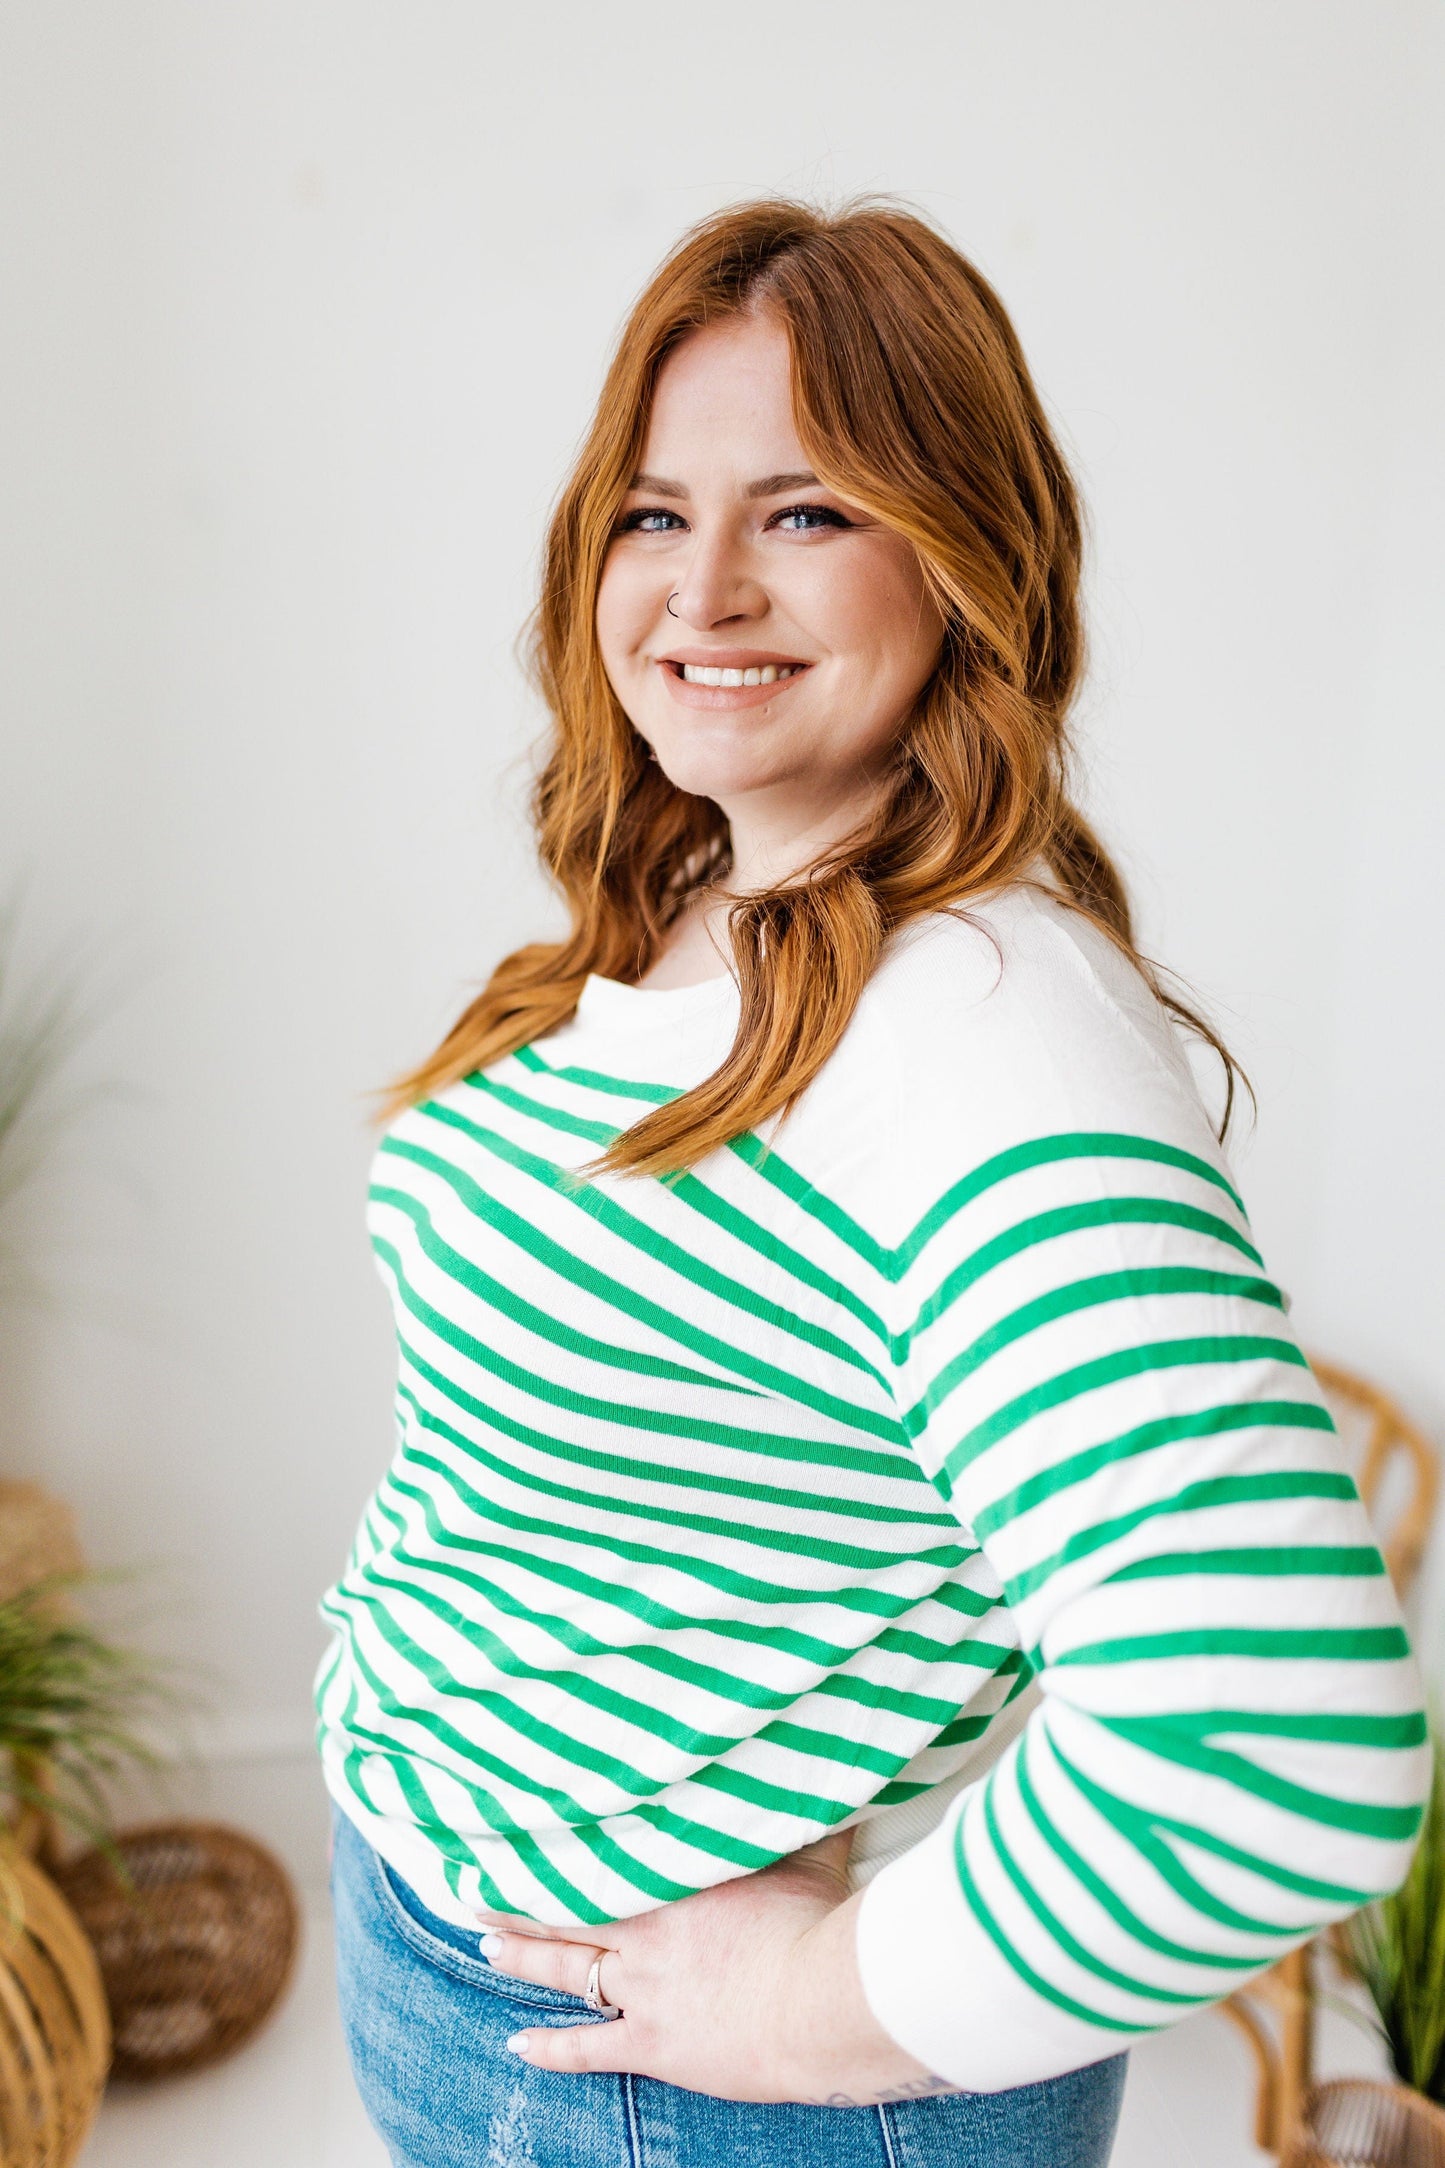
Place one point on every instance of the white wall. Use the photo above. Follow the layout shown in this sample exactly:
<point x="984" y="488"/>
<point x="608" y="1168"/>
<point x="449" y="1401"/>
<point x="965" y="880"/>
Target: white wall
<point x="304" y="308"/>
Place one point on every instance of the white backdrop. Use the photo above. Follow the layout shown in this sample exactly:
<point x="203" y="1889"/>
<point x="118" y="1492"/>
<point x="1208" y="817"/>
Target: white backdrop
<point x="304" y="308"/>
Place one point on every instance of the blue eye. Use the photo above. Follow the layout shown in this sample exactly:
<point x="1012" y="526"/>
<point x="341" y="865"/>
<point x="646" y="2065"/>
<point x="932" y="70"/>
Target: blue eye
<point x="823" y="512"/>
<point x="631" y="522"/>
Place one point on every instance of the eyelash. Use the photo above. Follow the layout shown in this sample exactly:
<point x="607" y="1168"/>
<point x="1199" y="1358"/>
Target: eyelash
<point x="631" y="522"/>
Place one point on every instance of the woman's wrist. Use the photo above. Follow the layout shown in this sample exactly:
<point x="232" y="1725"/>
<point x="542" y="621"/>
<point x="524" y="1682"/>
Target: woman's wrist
<point x="833" y="2050"/>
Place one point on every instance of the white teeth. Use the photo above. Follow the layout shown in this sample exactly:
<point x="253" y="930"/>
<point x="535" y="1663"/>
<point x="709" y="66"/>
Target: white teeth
<point x="768" y="674"/>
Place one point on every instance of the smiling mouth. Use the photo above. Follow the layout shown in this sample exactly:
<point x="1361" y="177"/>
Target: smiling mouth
<point x="768" y="673"/>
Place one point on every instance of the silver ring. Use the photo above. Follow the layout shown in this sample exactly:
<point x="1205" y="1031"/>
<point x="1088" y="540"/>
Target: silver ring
<point x="670" y="610"/>
<point x="592" y="1992"/>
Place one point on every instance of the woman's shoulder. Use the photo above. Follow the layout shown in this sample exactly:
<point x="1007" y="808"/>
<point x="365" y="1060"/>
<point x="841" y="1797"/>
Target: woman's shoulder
<point x="1015" y="1015"/>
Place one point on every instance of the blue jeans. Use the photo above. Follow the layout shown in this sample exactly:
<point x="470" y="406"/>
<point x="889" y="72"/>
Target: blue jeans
<point x="425" y="2018"/>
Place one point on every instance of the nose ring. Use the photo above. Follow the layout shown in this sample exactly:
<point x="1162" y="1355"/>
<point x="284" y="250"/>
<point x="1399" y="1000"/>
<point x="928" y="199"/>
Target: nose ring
<point x="670" y="610"/>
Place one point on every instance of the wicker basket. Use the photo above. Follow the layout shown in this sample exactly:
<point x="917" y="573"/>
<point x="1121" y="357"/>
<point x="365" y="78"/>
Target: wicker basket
<point x="1356" y="2123"/>
<point x="198" y="1957"/>
<point x="54" y="2028"/>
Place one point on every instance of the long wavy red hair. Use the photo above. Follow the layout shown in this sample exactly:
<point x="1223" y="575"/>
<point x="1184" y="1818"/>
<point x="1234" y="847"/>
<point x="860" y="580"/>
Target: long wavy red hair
<point x="913" y="400"/>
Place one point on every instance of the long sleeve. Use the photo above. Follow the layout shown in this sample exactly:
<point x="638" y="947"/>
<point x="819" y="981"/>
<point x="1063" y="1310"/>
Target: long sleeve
<point x="1099" y="1376"/>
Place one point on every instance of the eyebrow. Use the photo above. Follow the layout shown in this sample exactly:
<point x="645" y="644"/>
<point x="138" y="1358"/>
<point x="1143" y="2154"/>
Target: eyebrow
<point x="771" y="485"/>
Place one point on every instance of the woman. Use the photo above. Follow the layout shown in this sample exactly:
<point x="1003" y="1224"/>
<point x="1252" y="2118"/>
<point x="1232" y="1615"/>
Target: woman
<point x="867" y="1617"/>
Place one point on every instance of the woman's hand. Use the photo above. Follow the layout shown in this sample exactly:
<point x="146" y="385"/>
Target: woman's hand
<point x="749" y="1991"/>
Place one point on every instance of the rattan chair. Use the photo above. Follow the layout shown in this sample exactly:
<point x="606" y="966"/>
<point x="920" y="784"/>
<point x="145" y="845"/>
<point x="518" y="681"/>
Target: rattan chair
<point x="1276" y="2011"/>
<point x="55" y="2035"/>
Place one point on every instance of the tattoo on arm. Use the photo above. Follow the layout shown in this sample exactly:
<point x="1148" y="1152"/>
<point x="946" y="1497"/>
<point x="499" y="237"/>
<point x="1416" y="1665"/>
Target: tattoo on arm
<point x="915" y="2089"/>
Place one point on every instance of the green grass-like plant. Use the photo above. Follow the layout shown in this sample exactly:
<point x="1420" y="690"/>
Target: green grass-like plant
<point x="41" y="1024"/>
<point x="72" y="1703"/>
<point x="1397" y="1946"/>
<point x="71" y="1707"/>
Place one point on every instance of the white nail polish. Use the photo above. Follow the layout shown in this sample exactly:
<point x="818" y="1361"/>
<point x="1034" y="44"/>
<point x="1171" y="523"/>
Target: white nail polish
<point x="518" y="2043"/>
<point x="490" y="1946"/>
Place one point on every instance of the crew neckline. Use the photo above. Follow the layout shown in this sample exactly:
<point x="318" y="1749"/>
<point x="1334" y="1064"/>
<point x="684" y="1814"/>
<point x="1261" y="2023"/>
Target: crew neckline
<point x="622" y="1001"/>
<point x="616" y="997"/>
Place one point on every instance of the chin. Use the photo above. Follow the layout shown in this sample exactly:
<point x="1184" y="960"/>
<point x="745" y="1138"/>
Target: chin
<point x="721" y="780"/>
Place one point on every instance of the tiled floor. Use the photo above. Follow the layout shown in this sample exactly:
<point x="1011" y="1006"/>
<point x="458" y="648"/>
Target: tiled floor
<point x="287" y="2101"/>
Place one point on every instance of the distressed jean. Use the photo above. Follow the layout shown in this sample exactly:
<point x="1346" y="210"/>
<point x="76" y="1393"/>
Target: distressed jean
<point x="425" y="2018"/>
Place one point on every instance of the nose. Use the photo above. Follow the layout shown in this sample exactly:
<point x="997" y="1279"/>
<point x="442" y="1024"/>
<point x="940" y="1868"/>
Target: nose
<point x="717" y="586"/>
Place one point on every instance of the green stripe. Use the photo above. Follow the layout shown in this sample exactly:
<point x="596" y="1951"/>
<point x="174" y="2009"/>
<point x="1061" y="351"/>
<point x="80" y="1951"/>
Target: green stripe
<point x="1302" y="1644"/>
<point x="611" y="1854"/>
<point x="537" y="1110"/>
<point x="1213" y="1494"/>
<point x="1335" y="1727"/>
<point x="325" y="1679"/>
<point x="1362" y="1817"/>
<point x="1146" y="1829"/>
<point x="1017" y="1962"/>
<point x="1101" y="1891"/>
<point x="592" y="1080"/>
<point x="1147" y="1438"/>
<point x="1065" y="1220"/>
<point x="1107" y="1370"/>
<point x="895" y="1795"/>
<point x="929" y="1710"/>
<point x="1054" y="1927"/>
<point x="1046" y="1151"/>
<point x="893" y="1263"/>
<point x="803" y="1806"/>
<point x="1264" y="1561"/>
<point x="769" y="1165"/>
<point x="1067" y="1301"/>
<point x="703" y="1837"/>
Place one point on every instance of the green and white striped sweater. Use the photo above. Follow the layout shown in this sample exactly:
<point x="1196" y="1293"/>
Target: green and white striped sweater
<point x="730" y="1509"/>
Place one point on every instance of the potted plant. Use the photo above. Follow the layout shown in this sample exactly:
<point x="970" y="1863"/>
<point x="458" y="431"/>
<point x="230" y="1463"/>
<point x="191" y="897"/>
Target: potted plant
<point x="69" y="1706"/>
<point x="68" y="1699"/>
<point x="66" y="1695"/>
